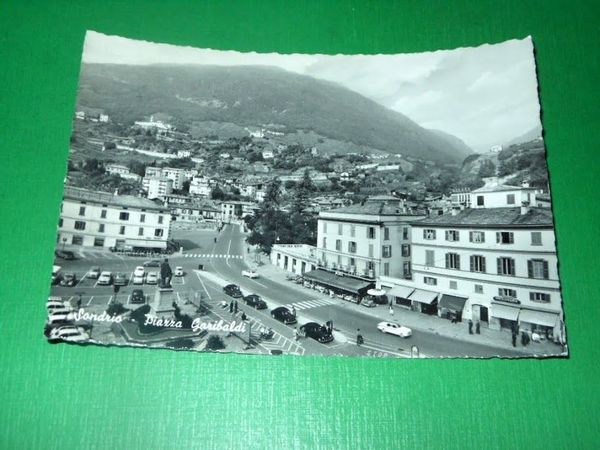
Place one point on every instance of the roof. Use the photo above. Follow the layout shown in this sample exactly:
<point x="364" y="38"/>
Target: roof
<point x="491" y="217"/>
<point x="344" y="283"/>
<point x="372" y="208"/>
<point x="128" y="201"/>
<point x="501" y="188"/>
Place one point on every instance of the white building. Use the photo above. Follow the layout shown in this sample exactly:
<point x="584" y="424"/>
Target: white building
<point x="194" y="213"/>
<point x="497" y="266"/>
<point x="157" y="125"/>
<point x="157" y="187"/>
<point x="268" y="154"/>
<point x="103" y="118"/>
<point x="116" y="169"/>
<point x="201" y="186"/>
<point x="460" y="198"/>
<point x="99" y="219"/>
<point x="294" y="258"/>
<point x="502" y="196"/>
<point x="178" y="176"/>
<point x="388" y="167"/>
<point x="184" y="153"/>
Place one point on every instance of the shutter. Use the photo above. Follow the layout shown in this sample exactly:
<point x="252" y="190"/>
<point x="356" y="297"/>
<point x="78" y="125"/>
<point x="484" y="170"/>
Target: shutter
<point x="530" y="268"/>
<point x="545" y="270"/>
<point x="483" y="264"/>
<point x="457" y="257"/>
<point x="424" y="234"/>
<point x="498" y="237"/>
<point x="499" y="263"/>
<point x="447" y="260"/>
<point x="470" y="236"/>
<point x="511" y="238"/>
<point x="447" y="232"/>
<point x="472" y="261"/>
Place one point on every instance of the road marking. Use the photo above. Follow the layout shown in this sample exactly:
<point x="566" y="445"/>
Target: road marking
<point x="109" y="300"/>
<point x="82" y="278"/>
<point x="203" y="285"/>
<point x="128" y="299"/>
<point x="90" y="300"/>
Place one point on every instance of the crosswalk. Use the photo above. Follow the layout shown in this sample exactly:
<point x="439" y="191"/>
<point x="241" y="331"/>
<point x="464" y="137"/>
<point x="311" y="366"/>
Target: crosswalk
<point x="314" y="303"/>
<point x="211" y="255"/>
<point x="92" y="254"/>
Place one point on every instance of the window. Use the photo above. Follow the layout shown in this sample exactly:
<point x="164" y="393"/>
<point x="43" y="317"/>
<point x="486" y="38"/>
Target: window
<point x="123" y="215"/>
<point x="324" y="227"/>
<point x="352" y="230"/>
<point x="386" y="269"/>
<point x="453" y="284"/>
<point x="338" y="244"/>
<point x="122" y="230"/>
<point x="103" y="214"/>
<point x="510" y="199"/>
<point x="60" y="222"/>
<point x="429" y="258"/>
<point x="429" y="234"/>
<point x="98" y="242"/>
<point x="405" y="233"/>
<point x="324" y="242"/>
<point x="477" y="263"/>
<point x="479" y="289"/>
<point x="506" y="266"/>
<point x="370" y="232"/>
<point x="142" y="218"/>
<point x="539" y="297"/>
<point x="101" y="228"/>
<point x="504" y="292"/>
<point x="158" y="232"/>
<point x="370" y="265"/>
<point x="536" y="238"/>
<point x="505" y="237"/>
<point x="430" y="281"/>
<point x="537" y="268"/>
<point x="371" y="250"/>
<point x="79" y="225"/>
<point x="452" y="235"/>
<point x="140" y="231"/>
<point x="352" y="262"/>
<point x="351" y="247"/>
<point x="405" y="250"/>
<point x="480" y="200"/>
<point x="386" y="233"/>
<point x="77" y="240"/>
<point x="339" y="260"/>
<point x="407" y="270"/>
<point x="340" y="229"/>
<point x="453" y="261"/>
<point x="478" y="237"/>
<point x="386" y="251"/>
<point x="82" y="210"/>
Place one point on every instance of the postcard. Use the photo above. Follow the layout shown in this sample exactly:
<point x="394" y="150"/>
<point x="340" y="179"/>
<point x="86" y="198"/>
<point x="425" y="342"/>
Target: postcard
<point x="262" y="203"/>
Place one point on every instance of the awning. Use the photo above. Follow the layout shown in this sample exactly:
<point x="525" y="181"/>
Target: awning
<point x="348" y="284"/>
<point x="422" y="296"/>
<point x="400" y="291"/>
<point x="452" y="302"/>
<point x="544" y="318"/>
<point x="505" y="311"/>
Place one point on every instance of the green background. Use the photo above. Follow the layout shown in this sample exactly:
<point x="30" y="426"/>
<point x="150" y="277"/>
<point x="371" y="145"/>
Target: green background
<point x="93" y="397"/>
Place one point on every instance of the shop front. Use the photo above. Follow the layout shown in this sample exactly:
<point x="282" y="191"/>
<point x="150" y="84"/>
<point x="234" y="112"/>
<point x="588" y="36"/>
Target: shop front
<point x="451" y="307"/>
<point x="342" y="286"/>
<point x="504" y="316"/>
<point x="424" y="301"/>
<point x="544" y="323"/>
<point x="400" y="294"/>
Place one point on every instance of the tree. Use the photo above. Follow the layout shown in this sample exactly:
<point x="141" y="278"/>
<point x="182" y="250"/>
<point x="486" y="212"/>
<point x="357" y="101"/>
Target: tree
<point x="487" y="169"/>
<point x="185" y="187"/>
<point x="217" y="193"/>
<point x="137" y="167"/>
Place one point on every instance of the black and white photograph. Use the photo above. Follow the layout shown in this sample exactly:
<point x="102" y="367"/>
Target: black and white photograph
<point x="306" y="204"/>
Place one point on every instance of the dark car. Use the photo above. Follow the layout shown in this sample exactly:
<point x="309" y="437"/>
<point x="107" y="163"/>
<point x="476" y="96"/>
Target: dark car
<point x="137" y="296"/>
<point x="65" y="254"/>
<point x="283" y="315"/>
<point x="152" y="263"/>
<point x="255" y="301"/>
<point x="120" y="279"/>
<point x="68" y="279"/>
<point x="233" y="290"/>
<point x="317" y="332"/>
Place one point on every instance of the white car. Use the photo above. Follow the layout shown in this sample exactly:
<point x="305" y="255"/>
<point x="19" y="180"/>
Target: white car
<point x="60" y="317"/>
<point x="69" y="333"/>
<point x="250" y="273"/>
<point x="394" y="328"/>
<point x="178" y="271"/>
<point x="59" y="307"/>
<point x="94" y="273"/>
<point x="105" y="278"/>
<point x="138" y="275"/>
<point x="152" y="278"/>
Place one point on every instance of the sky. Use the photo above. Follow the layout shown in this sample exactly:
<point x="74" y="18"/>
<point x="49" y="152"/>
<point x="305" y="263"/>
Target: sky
<point x="484" y="95"/>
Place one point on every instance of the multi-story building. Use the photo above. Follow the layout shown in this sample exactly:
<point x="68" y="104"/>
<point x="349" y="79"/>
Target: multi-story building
<point x="236" y="210"/>
<point x="502" y="196"/>
<point x="157" y="187"/>
<point x="366" y="240"/>
<point x="100" y="219"/>
<point x="178" y="176"/>
<point x="122" y="171"/>
<point x="497" y="266"/>
<point x="194" y="213"/>
<point x="460" y="198"/>
<point x="201" y="186"/>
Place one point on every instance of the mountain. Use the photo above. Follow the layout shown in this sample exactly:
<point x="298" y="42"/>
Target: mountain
<point x="258" y="95"/>
<point x="453" y="141"/>
<point x="529" y="136"/>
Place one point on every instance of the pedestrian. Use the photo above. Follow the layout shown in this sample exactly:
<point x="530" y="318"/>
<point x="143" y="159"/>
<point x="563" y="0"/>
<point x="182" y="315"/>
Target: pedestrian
<point x="514" y="339"/>
<point x="293" y="311"/>
<point x="79" y="301"/>
<point x="391" y="310"/>
<point x="524" y="339"/>
<point x="470" y="326"/>
<point x="359" y="338"/>
<point x="478" y="327"/>
<point x="244" y="316"/>
<point x="231" y="307"/>
<point x="296" y="334"/>
<point x="235" y="307"/>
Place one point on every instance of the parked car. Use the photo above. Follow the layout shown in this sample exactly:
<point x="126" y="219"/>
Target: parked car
<point x="317" y="332"/>
<point x="57" y="304"/>
<point x="394" y="328"/>
<point x="152" y="263"/>
<point x="69" y="333"/>
<point x="137" y="296"/>
<point x="64" y="254"/>
<point x="68" y="279"/>
<point x="255" y="301"/>
<point x="94" y="273"/>
<point x="152" y="278"/>
<point x="283" y="315"/>
<point x="105" y="278"/>
<point x="60" y="317"/>
<point x="138" y="275"/>
<point x="120" y="279"/>
<point x="250" y="273"/>
<point x="178" y="271"/>
<point x="368" y="303"/>
<point x="233" y="290"/>
<point x="56" y="275"/>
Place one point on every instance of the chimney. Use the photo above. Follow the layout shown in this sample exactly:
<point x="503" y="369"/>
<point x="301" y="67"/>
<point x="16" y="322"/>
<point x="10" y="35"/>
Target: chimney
<point x="524" y="208"/>
<point x="525" y="184"/>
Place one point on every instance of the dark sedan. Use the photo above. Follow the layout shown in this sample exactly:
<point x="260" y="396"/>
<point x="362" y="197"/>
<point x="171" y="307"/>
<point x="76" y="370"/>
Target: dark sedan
<point x="64" y="254"/>
<point x="68" y="279"/>
<point x="255" y="301"/>
<point x="283" y="315"/>
<point x="233" y="290"/>
<point x="317" y="332"/>
<point x="152" y="263"/>
<point x="120" y="280"/>
<point x="137" y="296"/>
